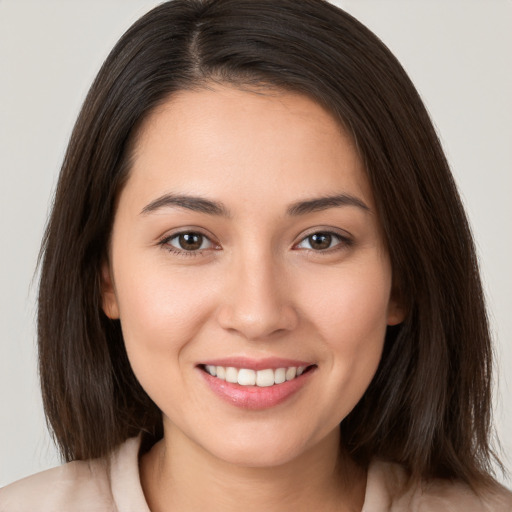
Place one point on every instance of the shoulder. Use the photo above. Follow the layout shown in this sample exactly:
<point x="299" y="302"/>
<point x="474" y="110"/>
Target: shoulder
<point x="80" y="485"/>
<point x="77" y="486"/>
<point x="389" y="489"/>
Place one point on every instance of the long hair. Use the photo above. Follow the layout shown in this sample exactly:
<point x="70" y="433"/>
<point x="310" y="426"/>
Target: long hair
<point x="428" y="406"/>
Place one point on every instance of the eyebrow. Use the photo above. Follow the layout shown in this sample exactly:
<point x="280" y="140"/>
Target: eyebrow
<point x="324" y="203"/>
<point x="201" y="205"/>
<point x="197" y="204"/>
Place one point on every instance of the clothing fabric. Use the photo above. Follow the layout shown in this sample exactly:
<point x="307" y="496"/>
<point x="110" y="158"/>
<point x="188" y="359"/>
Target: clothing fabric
<point x="113" y="485"/>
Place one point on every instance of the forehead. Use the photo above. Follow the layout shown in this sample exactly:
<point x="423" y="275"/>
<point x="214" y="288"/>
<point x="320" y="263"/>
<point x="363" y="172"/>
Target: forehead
<point x="220" y="139"/>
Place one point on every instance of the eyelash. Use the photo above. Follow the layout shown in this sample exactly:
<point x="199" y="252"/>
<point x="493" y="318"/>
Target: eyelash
<point x="165" y="243"/>
<point x="343" y="242"/>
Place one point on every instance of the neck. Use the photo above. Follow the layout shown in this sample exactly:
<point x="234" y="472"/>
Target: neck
<point x="177" y="474"/>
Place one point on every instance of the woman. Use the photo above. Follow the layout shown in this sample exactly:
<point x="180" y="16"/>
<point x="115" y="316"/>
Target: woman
<point x="258" y="283"/>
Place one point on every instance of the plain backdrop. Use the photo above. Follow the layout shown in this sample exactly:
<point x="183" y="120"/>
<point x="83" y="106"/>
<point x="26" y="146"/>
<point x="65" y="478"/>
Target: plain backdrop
<point x="457" y="52"/>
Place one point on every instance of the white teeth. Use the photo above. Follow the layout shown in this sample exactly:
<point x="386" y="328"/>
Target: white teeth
<point x="291" y="372"/>
<point x="280" y="376"/>
<point x="231" y="375"/>
<point x="261" y="378"/>
<point x="212" y="370"/>
<point x="265" y="378"/>
<point x="246" y="377"/>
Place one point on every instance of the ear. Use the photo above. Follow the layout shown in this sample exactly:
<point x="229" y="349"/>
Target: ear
<point x="396" y="309"/>
<point x="396" y="312"/>
<point x="108" y="295"/>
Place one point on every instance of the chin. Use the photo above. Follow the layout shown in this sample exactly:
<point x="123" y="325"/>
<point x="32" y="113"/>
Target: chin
<point x="260" y="449"/>
<point x="257" y="457"/>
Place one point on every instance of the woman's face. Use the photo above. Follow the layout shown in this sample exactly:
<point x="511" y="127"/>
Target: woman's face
<point x="246" y="247"/>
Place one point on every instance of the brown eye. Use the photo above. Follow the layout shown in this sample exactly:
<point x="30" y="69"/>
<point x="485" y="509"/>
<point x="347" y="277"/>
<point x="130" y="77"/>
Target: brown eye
<point x="189" y="241"/>
<point x="323" y="241"/>
<point x="320" y="241"/>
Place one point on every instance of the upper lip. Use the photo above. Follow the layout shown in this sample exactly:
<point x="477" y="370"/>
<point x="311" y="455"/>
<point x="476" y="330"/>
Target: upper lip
<point x="256" y="364"/>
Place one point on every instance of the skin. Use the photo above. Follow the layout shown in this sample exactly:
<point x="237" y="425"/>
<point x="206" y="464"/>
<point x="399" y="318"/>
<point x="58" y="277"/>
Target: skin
<point x="257" y="288"/>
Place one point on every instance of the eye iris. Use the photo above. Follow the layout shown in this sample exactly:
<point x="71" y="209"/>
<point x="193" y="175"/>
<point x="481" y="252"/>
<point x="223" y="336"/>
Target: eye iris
<point x="320" y="241"/>
<point x="190" y="241"/>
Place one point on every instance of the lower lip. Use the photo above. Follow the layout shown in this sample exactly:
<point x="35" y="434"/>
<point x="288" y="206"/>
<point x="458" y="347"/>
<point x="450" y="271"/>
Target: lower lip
<point x="255" y="397"/>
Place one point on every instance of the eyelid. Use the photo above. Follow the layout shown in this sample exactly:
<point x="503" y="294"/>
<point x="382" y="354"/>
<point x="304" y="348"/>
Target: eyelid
<point x="164" y="240"/>
<point x="204" y="239"/>
<point x="345" y="239"/>
<point x="171" y="233"/>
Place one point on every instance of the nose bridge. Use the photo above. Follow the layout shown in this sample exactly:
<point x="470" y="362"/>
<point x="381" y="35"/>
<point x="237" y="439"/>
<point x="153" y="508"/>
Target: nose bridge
<point x="256" y="302"/>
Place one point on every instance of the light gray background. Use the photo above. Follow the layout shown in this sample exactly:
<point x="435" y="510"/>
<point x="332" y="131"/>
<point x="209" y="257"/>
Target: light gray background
<point x="457" y="52"/>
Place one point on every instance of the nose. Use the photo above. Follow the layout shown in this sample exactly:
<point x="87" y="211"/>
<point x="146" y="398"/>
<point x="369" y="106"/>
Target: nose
<point x="257" y="302"/>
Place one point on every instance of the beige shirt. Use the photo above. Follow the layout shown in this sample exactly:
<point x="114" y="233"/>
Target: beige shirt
<point x="97" y="486"/>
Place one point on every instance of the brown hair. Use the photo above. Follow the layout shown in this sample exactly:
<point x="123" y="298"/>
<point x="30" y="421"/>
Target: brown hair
<point x="428" y="406"/>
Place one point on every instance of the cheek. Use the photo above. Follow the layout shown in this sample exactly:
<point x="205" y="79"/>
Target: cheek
<point x="160" y="317"/>
<point x="160" y="313"/>
<point x="350" y="315"/>
<point x="351" y="300"/>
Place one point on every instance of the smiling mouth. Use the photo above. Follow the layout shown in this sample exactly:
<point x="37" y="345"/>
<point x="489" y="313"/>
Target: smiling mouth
<point x="260" y="378"/>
